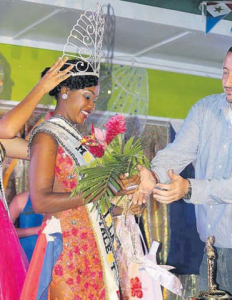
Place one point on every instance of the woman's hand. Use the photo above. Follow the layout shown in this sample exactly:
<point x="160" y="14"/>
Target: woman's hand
<point x="54" y="76"/>
<point x="13" y="120"/>
<point x="146" y="186"/>
<point x="137" y="209"/>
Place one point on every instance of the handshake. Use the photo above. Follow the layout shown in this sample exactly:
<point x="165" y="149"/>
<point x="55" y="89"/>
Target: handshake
<point x="149" y="185"/>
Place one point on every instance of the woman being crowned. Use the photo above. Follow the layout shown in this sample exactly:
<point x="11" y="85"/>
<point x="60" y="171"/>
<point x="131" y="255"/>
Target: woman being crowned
<point x="74" y="256"/>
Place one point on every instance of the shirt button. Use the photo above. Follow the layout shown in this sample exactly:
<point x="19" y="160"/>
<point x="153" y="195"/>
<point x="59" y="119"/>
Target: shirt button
<point x="220" y="166"/>
<point x="225" y="146"/>
<point x="209" y="226"/>
<point x="211" y="206"/>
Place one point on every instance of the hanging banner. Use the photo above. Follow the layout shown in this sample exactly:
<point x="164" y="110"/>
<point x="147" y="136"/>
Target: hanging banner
<point x="214" y="12"/>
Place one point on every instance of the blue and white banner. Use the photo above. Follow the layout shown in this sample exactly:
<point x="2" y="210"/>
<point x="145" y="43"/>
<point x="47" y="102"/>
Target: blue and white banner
<point x="215" y="12"/>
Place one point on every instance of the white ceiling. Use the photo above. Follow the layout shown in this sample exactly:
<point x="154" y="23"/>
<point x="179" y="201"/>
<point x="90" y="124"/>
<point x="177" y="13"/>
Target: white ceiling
<point x="144" y="36"/>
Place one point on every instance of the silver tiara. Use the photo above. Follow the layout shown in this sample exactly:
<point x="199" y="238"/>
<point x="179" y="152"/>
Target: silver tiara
<point x="85" y="42"/>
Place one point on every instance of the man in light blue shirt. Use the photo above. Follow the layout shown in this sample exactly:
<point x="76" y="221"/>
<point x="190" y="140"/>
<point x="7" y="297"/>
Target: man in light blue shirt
<point x="206" y="138"/>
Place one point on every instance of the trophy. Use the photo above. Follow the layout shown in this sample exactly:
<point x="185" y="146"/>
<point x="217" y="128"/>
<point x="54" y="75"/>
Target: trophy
<point x="213" y="293"/>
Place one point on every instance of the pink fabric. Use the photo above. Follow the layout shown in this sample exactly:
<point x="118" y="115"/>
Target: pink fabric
<point x="13" y="261"/>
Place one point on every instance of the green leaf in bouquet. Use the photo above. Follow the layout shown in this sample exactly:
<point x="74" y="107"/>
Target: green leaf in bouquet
<point x="89" y="197"/>
<point x="102" y="204"/>
<point x="115" y="146"/>
<point x="101" y="177"/>
<point x="114" y="183"/>
<point x="93" y="188"/>
<point x="128" y="146"/>
<point x="109" y="192"/>
<point x="107" y="202"/>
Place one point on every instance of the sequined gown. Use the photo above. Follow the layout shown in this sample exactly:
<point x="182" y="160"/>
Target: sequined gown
<point x="78" y="273"/>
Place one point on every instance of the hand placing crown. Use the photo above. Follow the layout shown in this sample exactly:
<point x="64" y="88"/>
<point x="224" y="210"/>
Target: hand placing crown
<point x="85" y="42"/>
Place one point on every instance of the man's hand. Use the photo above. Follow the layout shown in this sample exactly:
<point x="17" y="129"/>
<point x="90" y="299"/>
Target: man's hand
<point x="146" y="186"/>
<point x="168" y="193"/>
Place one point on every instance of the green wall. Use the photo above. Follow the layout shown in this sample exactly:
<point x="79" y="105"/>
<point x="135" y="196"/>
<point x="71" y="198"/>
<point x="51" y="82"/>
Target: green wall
<point x="171" y="94"/>
<point x="23" y="66"/>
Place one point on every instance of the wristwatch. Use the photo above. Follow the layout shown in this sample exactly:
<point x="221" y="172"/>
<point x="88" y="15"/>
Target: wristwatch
<point x="188" y="193"/>
<point x="154" y="175"/>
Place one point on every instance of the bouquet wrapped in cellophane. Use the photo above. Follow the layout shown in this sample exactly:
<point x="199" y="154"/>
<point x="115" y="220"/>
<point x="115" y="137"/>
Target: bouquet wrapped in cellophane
<point x="104" y="177"/>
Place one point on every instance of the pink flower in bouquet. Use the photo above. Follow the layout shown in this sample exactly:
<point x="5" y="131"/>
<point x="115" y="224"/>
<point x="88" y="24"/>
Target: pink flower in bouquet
<point x="100" y="135"/>
<point x="114" y="126"/>
<point x="101" y="138"/>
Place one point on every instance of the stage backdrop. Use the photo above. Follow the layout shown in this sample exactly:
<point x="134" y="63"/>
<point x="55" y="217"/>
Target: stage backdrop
<point x="170" y="94"/>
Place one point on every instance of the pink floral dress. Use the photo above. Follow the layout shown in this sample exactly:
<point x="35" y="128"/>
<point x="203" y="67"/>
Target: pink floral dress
<point x="77" y="274"/>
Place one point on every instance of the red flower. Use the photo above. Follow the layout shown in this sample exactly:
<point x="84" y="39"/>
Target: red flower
<point x="78" y="279"/>
<point x="102" y="295"/>
<point x="74" y="231"/>
<point x="85" y="247"/>
<point x="58" y="270"/>
<point x="84" y="235"/>
<point x="87" y="263"/>
<point x="70" y="281"/>
<point x="60" y="150"/>
<point x="86" y="285"/>
<point x="57" y="170"/>
<point x="97" y="261"/>
<point x="65" y="183"/>
<point x="68" y="160"/>
<point x="66" y="234"/>
<point x="71" y="266"/>
<point x="136" y="288"/>
<point x="114" y="126"/>
<point x="97" y="151"/>
<point x="70" y="254"/>
<point x="77" y="250"/>
<point x="95" y="286"/>
<point x="72" y="184"/>
<point x="100" y="138"/>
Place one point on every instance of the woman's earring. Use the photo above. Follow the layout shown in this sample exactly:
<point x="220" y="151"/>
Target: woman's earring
<point x="64" y="96"/>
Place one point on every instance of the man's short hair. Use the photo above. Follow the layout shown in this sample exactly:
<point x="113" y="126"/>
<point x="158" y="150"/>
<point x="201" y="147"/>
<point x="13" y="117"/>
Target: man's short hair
<point x="230" y="50"/>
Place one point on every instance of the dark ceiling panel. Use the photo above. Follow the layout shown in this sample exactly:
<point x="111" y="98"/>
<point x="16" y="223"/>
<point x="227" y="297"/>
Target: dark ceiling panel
<point x="189" y="6"/>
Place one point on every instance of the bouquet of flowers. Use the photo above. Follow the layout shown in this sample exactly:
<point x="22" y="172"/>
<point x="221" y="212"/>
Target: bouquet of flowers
<point x="103" y="177"/>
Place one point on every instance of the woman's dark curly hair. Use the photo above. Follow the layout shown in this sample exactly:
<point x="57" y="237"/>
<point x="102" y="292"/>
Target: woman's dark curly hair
<point x="74" y="82"/>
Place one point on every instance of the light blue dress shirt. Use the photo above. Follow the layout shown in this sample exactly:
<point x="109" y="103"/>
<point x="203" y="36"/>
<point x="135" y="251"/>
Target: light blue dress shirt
<point x="206" y="138"/>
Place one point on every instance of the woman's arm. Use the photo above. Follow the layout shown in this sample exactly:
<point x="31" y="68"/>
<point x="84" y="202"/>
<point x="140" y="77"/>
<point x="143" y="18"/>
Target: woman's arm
<point x="25" y="232"/>
<point x="42" y="177"/>
<point x="14" y="120"/>
<point x="17" y="205"/>
<point x="15" y="148"/>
